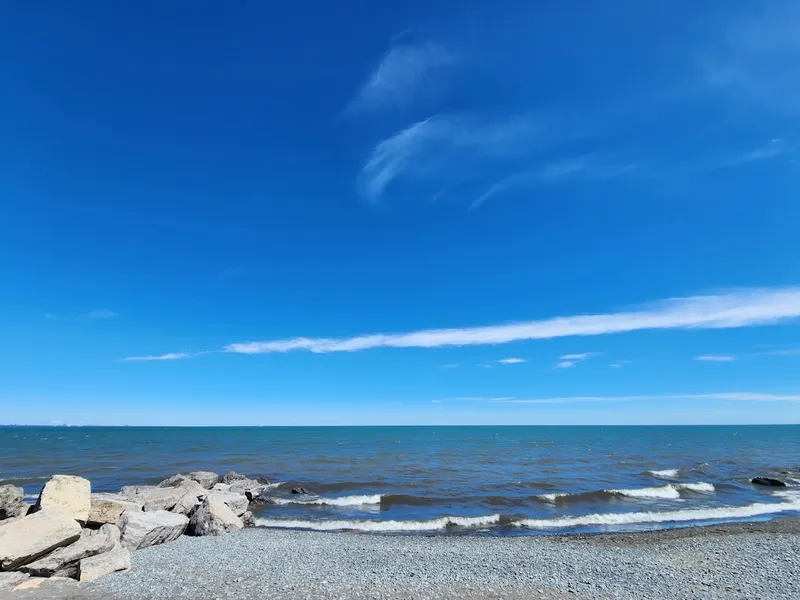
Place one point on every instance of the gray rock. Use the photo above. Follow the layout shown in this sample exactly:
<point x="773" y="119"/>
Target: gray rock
<point x="248" y="487"/>
<point x="238" y="503"/>
<point x="68" y="491"/>
<point x="232" y="476"/>
<point x="12" y="500"/>
<point x="221" y="487"/>
<point x="64" y="562"/>
<point x="108" y="508"/>
<point x="34" y="535"/>
<point x="153" y="497"/>
<point x="214" y="518"/>
<point x="248" y="519"/>
<point x="10" y="580"/>
<point x="118" y="559"/>
<point x="205" y="478"/>
<point x="187" y="504"/>
<point x="182" y="481"/>
<point x="140" y="530"/>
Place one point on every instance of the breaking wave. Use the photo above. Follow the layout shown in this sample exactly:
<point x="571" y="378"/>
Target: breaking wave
<point x="342" y="501"/>
<point x="378" y="526"/>
<point x="670" y="491"/>
<point x="675" y="516"/>
<point x="665" y="474"/>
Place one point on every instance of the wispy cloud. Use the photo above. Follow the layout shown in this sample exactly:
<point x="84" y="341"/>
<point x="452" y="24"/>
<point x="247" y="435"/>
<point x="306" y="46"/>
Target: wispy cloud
<point x="782" y="352"/>
<point x="512" y="361"/>
<point x="567" y="361"/>
<point x="715" y="358"/>
<point x="406" y="72"/>
<point x="584" y="167"/>
<point x="773" y="149"/>
<point x="451" y="366"/>
<point x="723" y="396"/>
<point x="744" y="308"/>
<point x="440" y="147"/>
<point x="168" y="356"/>
<point x="619" y="364"/>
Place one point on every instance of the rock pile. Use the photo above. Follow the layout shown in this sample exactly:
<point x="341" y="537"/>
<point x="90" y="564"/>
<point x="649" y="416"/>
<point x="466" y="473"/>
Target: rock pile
<point x="72" y="532"/>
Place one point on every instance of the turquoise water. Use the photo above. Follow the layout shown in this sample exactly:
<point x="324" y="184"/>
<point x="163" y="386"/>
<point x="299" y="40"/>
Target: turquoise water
<point x="488" y="480"/>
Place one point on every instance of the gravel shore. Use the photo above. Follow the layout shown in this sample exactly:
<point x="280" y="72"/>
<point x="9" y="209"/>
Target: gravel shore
<point x="743" y="561"/>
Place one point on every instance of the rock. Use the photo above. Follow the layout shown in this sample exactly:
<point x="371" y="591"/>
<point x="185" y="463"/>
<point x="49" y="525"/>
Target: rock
<point x="187" y="504"/>
<point x="172" y="481"/>
<point x="205" y="478"/>
<point x="263" y="480"/>
<point x="221" y="487"/>
<point x="249" y="487"/>
<point x="299" y="490"/>
<point x="33" y="536"/>
<point x="108" y="508"/>
<point x="140" y="530"/>
<point x="768" y="481"/>
<point x="118" y="559"/>
<point x="10" y="580"/>
<point x="214" y="518"/>
<point x="69" y="491"/>
<point x="153" y="497"/>
<point x="232" y="476"/>
<point x="64" y="562"/>
<point x="184" y="482"/>
<point x="238" y="503"/>
<point x="248" y="519"/>
<point x="12" y="500"/>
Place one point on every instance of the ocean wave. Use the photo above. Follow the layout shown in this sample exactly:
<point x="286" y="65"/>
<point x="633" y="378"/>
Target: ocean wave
<point x="341" y="501"/>
<point x="670" y="491"/>
<point x="378" y="526"/>
<point x="665" y="474"/>
<point x="675" y="516"/>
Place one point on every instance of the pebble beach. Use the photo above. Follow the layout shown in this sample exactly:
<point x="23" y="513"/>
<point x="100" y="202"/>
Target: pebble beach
<point x="741" y="561"/>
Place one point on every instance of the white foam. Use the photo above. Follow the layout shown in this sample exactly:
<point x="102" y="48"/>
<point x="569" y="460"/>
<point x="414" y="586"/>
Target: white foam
<point x="272" y="486"/>
<point x="431" y="525"/>
<point x="665" y="474"/>
<point x="671" y="491"/>
<point x="31" y="496"/>
<point x="701" y="487"/>
<point x="552" y="497"/>
<point x="342" y="501"/>
<point x="674" y="516"/>
<point x="666" y="492"/>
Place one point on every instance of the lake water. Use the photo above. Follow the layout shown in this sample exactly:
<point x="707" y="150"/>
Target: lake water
<point x="449" y="480"/>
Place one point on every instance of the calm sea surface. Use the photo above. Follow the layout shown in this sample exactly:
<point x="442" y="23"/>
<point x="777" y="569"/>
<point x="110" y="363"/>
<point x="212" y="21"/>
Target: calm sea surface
<point x="451" y="480"/>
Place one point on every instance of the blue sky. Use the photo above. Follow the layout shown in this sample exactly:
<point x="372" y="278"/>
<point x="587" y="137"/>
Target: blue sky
<point x="399" y="213"/>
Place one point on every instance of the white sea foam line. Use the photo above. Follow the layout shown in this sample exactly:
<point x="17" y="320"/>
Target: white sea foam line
<point x="342" y="501"/>
<point x="665" y="474"/>
<point x="691" y="514"/>
<point x="553" y="497"/>
<point x="431" y="525"/>
<point x="667" y="492"/>
<point x="700" y="486"/>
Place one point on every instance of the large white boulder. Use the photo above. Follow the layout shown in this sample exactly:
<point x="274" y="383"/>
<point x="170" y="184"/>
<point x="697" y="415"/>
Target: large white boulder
<point x="214" y="518"/>
<point x="64" y="562"/>
<point x="143" y="529"/>
<point x="108" y="508"/>
<point x="68" y="491"/>
<point x="153" y="497"/>
<point x="238" y="503"/>
<point x="205" y="478"/>
<point x="118" y="559"/>
<point x="32" y="536"/>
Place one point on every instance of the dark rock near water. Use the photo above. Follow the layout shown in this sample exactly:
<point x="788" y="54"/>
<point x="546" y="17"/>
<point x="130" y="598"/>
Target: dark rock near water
<point x="248" y="519"/>
<point x="768" y="481"/>
<point x="299" y="490"/>
<point x="232" y="476"/>
<point x="214" y="517"/>
<point x="263" y="480"/>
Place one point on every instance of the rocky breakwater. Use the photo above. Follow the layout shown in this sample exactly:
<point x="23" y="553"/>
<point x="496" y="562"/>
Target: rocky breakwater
<point x="72" y="532"/>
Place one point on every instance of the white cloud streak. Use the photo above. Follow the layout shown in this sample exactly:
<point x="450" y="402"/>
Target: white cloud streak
<point x="440" y="147"/>
<point x="512" y="361"/>
<point x="168" y="356"/>
<point x="404" y="74"/>
<point x="715" y="358"/>
<point x="743" y="308"/>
